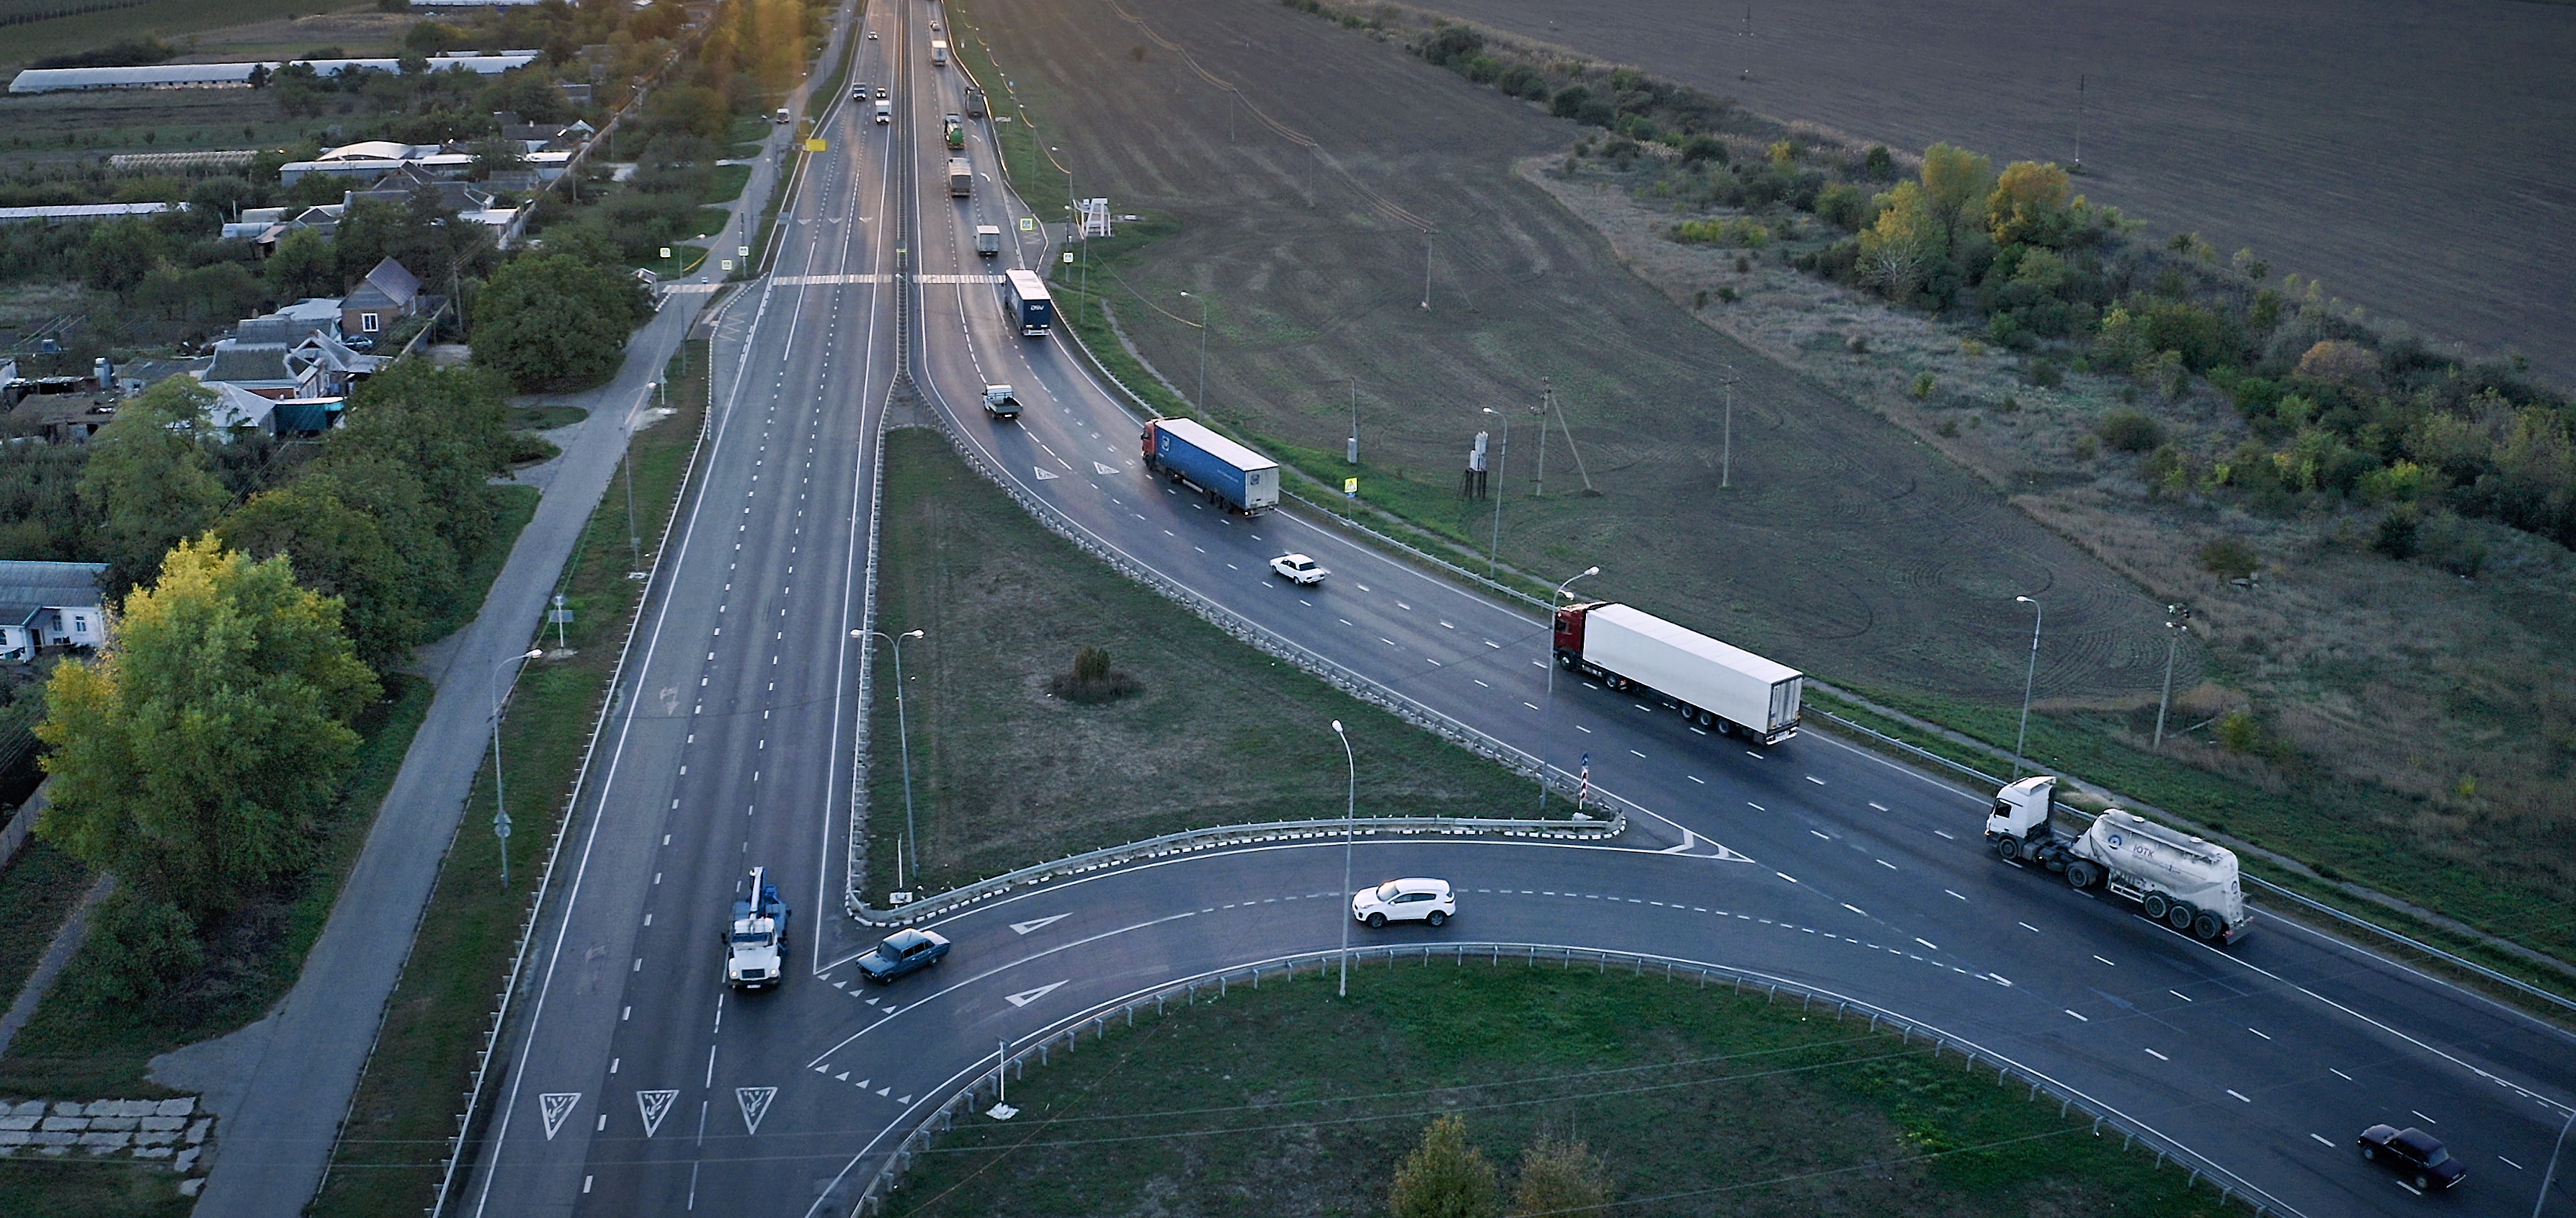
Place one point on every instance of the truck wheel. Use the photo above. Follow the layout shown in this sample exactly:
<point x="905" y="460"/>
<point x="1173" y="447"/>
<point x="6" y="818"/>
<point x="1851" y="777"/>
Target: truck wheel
<point x="2179" y="916"/>
<point x="2008" y="848"/>
<point x="2155" y="905"/>
<point x="2081" y="874"/>
<point x="1722" y="727"/>
<point x="2206" y="925"/>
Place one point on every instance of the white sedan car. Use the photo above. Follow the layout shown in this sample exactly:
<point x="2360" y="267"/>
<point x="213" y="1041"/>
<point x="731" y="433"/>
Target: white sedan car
<point x="1298" y="569"/>
<point x="1415" y="900"/>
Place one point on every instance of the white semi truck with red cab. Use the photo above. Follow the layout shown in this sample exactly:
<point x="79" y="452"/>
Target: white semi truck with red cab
<point x="1723" y="688"/>
<point x="2183" y="881"/>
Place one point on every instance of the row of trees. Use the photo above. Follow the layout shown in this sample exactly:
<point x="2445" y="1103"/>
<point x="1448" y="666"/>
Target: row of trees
<point x="194" y="756"/>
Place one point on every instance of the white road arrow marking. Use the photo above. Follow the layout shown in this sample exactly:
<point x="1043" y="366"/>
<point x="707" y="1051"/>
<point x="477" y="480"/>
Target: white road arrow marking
<point x="558" y="1105"/>
<point x="755" y="1104"/>
<point x="1105" y="470"/>
<point x="1025" y="997"/>
<point x="1034" y="923"/>
<point x="654" y="1105"/>
<point x="1045" y="474"/>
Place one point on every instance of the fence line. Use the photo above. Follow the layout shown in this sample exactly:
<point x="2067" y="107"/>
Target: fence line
<point x="1069" y="1031"/>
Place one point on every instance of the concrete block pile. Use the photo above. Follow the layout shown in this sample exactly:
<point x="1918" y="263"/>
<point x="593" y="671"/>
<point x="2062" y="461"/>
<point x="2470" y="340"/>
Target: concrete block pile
<point x="170" y="1131"/>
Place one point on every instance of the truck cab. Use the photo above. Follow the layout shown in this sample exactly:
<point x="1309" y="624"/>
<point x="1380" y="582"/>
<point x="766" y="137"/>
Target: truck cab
<point x="755" y="940"/>
<point x="953" y="130"/>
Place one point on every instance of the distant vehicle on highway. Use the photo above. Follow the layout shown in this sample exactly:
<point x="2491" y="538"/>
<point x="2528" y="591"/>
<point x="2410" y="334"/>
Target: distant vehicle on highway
<point x="988" y="241"/>
<point x="881" y="93"/>
<point x="1298" y="569"/>
<point x="953" y="129"/>
<point x="756" y="946"/>
<point x="2183" y="881"/>
<point x="974" y="101"/>
<point x="1414" y="900"/>
<point x="2414" y="1155"/>
<point x="1026" y="304"/>
<point x="938" y="52"/>
<point x="999" y="403"/>
<point x="872" y="35"/>
<point x="781" y="116"/>
<point x="1187" y="452"/>
<point x="885" y="110"/>
<point x="904" y="951"/>
<point x="1723" y="688"/>
<point x="961" y="177"/>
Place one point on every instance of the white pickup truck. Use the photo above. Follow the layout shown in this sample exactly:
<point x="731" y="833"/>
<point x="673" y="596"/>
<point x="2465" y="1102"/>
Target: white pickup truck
<point x="999" y="403"/>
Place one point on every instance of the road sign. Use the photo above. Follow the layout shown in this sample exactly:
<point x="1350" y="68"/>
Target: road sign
<point x="728" y="264"/>
<point x="1068" y="257"/>
<point x="1350" y="488"/>
<point x="1028" y="224"/>
<point x="814" y="146"/>
<point x="666" y="253"/>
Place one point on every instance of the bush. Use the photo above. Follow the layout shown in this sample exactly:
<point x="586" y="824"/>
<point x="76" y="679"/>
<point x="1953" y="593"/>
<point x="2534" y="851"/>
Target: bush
<point x="1522" y="81"/>
<point x="2239" y="733"/>
<point x="2396" y="535"/>
<point x="2130" y="431"/>
<point x="1843" y="205"/>
<point x="138" y="947"/>
<point x="1733" y="230"/>
<point x="1092" y="680"/>
<point x="1880" y="163"/>
<point x="1700" y="148"/>
<point x="1569" y="101"/>
<point x="2228" y="558"/>
<point x="1451" y="45"/>
<point x="1923" y="386"/>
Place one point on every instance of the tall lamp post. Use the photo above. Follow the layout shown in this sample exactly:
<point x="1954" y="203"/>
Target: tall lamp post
<point x="1201" y="400"/>
<point x="2175" y="616"/>
<point x="1350" y="833"/>
<point x="1726" y="454"/>
<point x="903" y="739"/>
<point x="1549" y="712"/>
<point x="2029" y="679"/>
<point x="500" y="801"/>
<point x="1494" y="556"/>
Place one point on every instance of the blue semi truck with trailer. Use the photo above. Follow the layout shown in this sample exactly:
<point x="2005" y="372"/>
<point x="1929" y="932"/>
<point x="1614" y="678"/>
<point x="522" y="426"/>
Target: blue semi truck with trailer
<point x="1226" y="472"/>
<point x="1026" y="303"/>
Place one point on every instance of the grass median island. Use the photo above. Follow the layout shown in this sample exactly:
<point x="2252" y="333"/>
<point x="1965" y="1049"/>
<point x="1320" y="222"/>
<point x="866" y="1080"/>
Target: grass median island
<point x="389" y="1154"/>
<point x="1284" y="1101"/>
<point x="1006" y="774"/>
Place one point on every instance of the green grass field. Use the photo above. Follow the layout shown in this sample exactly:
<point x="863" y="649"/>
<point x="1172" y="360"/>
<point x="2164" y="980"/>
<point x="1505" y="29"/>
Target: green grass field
<point x="1285" y="1102"/>
<point x="387" y="1160"/>
<point x="38" y="890"/>
<point x="1006" y="774"/>
<point x="169" y="20"/>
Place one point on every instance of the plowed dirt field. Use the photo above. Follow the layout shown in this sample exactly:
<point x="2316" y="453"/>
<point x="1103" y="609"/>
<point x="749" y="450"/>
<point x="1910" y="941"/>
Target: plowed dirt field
<point x="1845" y="546"/>
<point x="2414" y="156"/>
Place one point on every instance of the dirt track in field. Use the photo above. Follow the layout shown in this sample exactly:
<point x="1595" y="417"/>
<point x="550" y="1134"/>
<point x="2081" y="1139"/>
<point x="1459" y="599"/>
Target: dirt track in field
<point x="1845" y="547"/>
<point x="2415" y="156"/>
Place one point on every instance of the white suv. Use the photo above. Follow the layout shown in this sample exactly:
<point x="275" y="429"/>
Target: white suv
<point x="1415" y="900"/>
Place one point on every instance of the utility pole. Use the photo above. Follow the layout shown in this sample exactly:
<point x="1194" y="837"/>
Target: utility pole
<point x="1355" y="421"/>
<point x="2029" y="681"/>
<point x="1547" y="398"/>
<point x="1493" y="557"/>
<point x="2175" y="616"/>
<point x="1427" y="235"/>
<point x="2079" y="122"/>
<point x="1726" y="455"/>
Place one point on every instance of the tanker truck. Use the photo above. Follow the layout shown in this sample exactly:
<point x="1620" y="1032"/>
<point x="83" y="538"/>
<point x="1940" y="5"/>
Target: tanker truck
<point x="2182" y="880"/>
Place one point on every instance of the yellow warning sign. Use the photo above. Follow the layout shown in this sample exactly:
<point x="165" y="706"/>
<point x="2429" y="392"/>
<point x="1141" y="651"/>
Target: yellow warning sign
<point x="1351" y="487"/>
<point x="815" y="145"/>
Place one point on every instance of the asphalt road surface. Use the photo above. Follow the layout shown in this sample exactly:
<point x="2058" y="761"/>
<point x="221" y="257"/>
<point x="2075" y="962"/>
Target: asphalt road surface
<point x="638" y="1084"/>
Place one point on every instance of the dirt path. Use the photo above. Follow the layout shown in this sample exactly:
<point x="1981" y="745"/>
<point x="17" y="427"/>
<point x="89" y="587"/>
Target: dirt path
<point x="1845" y="546"/>
<point x="2411" y="155"/>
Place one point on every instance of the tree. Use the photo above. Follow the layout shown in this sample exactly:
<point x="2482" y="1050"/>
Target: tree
<point x="419" y="451"/>
<point x="303" y="266"/>
<point x="496" y="155"/>
<point x="340" y="551"/>
<point x="2029" y="204"/>
<point x="148" y="482"/>
<point x="1955" y="185"/>
<point x="1906" y="239"/>
<point x="191" y="757"/>
<point x="1445" y="1177"/>
<point x="553" y="323"/>
<point x="1559" y="1177"/>
<point x="120" y="253"/>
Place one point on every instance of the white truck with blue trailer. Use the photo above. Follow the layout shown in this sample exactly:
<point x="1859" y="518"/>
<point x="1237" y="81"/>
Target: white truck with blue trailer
<point x="1188" y="452"/>
<point x="2183" y="881"/>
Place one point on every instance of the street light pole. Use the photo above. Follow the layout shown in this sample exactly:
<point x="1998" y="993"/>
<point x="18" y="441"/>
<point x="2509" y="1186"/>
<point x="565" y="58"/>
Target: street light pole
<point x="2175" y="616"/>
<point x="1726" y="454"/>
<point x="1493" y="557"/>
<point x="2029" y="679"/>
<point x="1350" y="833"/>
<point x="903" y="740"/>
<point x="1355" y="421"/>
<point x="1544" y="715"/>
<point x="500" y="800"/>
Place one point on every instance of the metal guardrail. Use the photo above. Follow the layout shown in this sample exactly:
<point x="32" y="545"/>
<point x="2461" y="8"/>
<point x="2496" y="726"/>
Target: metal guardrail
<point x="1191" y="841"/>
<point x="1068" y="1033"/>
<point x="2451" y="958"/>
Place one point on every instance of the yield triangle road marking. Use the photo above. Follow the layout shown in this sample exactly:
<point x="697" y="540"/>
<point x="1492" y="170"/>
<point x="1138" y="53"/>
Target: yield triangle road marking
<point x="1034" y="923"/>
<point x="843" y="1076"/>
<point x="840" y="985"/>
<point x="863" y="1083"/>
<point x="872" y="1002"/>
<point x="1045" y="474"/>
<point x="755" y="1104"/>
<point x="558" y="1105"/>
<point x="1105" y="470"/>
<point x="654" y="1105"/>
<point x="1025" y="997"/>
<point x="903" y="1099"/>
<point x="884" y="1090"/>
<point x="825" y="1068"/>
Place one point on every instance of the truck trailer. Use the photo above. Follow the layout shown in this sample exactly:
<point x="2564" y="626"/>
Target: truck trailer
<point x="1187" y="452"/>
<point x="961" y="177"/>
<point x="1026" y="304"/>
<point x="1723" y="688"/>
<point x="2181" y="880"/>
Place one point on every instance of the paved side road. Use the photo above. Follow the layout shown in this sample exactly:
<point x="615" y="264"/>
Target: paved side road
<point x="304" y="1060"/>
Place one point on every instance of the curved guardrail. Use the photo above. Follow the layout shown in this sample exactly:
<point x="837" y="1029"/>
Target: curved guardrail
<point x="1192" y="841"/>
<point x="1066" y="1035"/>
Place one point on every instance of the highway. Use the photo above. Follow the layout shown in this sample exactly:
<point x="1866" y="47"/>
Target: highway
<point x="639" y="1085"/>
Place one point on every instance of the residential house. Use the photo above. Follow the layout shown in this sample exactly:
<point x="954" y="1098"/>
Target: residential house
<point x="389" y="292"/>
<point x="50" y="604"/>
<point x="291" y="323"/>
<point x="266" y="226"/>
<point x="330" y="366"/>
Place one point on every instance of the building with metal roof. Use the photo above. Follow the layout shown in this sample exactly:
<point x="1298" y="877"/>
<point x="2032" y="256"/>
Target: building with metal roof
<point x="60" y="213"/>
<point x="240" y="75"/>
<point x="50" y="604"/>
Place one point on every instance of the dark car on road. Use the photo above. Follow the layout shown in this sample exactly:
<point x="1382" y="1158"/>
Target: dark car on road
<point x="2414" y="1155"/>
<point x="904" y="951"/>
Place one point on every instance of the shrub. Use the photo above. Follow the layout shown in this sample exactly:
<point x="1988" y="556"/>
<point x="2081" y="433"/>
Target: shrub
<point x="2045" y="374"/>
<point x="2396" y="535"/>
<point x="1092" y="680"/>
<point x="1570" y="101"/>
<point x="138" y="947"/>
<point x="1859" y="344"/>
<point x="2239" y="733"/>
<point x="2342" y="363"/>
<point x="1843" y="205"/>
<point x="1879" y="163"/>
<point x="1451" y="45"/>
<point x="1726" y="292"/>
<point x="1700" y="148"/>
<point x="1923" y="385"/>
<point x="1522" y="81"/>
<point x="2130" y="431"/>
<point x="2086" y="447"/>
<point x="2228" y="558"/>
<point x="1732" y="230"/>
